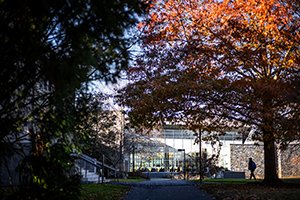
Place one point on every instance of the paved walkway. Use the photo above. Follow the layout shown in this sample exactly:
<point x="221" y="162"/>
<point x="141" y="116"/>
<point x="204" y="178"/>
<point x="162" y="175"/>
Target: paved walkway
<point x="165" y="189"/>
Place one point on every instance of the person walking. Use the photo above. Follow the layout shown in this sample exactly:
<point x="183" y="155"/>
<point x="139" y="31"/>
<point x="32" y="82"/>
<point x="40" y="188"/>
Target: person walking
<point x="252" y="167"/>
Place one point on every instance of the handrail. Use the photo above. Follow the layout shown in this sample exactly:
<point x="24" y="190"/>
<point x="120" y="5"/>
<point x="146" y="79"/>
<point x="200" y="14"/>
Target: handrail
<point x="92" y="161"/>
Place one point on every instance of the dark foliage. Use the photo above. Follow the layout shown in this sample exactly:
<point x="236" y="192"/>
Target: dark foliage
<point x="48" y="50"/>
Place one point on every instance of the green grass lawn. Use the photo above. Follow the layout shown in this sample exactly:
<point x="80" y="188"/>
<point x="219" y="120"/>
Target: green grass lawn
<point x="103" y="192"/>
<point x="250" y="189"/>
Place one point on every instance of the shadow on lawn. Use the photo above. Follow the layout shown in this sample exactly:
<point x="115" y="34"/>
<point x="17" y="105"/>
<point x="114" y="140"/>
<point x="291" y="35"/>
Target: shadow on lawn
<point x="289" y="190"/>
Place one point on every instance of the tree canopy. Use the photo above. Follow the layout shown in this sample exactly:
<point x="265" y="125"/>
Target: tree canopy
<point x="221" y="63"/>
<point x="49" y="50"/>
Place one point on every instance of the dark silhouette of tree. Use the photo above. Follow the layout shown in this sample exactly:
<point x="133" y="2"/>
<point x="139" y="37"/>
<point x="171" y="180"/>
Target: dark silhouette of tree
<point x="98" y="129"/>
<point x="48" y="50"/>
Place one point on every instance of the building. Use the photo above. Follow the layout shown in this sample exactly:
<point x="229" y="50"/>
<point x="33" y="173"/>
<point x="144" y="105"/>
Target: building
<point x="232" y="148"/>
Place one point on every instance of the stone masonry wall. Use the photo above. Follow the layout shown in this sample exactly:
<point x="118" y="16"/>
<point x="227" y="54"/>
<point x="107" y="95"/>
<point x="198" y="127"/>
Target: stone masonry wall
<point x="288" y="160"/>
<point x="239" y="157"/>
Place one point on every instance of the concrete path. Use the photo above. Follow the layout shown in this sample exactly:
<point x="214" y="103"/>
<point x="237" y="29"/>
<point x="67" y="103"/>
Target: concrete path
<point x="165" y="189"/>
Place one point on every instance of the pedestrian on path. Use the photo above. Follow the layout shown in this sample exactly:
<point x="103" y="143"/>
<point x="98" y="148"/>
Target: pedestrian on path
<point x="252" y="167"/>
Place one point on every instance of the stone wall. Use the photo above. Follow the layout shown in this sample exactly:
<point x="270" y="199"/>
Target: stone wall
<point x="239" y="157"/>
<point x="288" y="160"/>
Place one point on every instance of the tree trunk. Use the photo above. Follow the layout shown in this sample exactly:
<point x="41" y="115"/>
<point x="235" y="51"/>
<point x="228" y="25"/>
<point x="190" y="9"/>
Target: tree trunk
<point x="270" y="157"/>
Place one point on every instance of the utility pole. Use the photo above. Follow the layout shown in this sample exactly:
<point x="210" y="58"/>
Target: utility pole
<point x="102" y="173"/>
<point x="122" y="133"/>
<point x="133" y="161"/>
<point x="184" y="164"/>
<point x="200" y="154"/>
<point x="198" y="134"/>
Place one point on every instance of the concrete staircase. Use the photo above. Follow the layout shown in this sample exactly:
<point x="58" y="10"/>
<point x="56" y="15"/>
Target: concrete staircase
<point x="91" y="177"/>
<point x="89" y="168"/>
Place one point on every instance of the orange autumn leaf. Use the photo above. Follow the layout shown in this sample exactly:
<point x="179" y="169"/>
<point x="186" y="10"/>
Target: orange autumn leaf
<point x="234" y="61"/>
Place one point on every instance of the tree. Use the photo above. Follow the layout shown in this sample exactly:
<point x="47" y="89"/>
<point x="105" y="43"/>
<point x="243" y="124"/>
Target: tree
<point x="225" y="63"/>
<point x="97" y="130"/>
<point x="48" y="50"/>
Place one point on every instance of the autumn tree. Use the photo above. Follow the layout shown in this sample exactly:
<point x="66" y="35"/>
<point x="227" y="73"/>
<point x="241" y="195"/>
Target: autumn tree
<point x="228" y="63"/>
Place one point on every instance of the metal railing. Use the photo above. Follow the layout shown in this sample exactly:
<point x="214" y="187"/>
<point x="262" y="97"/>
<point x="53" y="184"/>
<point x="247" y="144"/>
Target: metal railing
<point x="93" y="161"/>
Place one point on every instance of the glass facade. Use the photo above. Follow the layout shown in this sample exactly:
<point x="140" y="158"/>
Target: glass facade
<point x="166" y="156"/>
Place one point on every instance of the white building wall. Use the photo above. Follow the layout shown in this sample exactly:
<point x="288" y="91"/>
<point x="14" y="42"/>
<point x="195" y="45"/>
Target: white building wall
<point x="225" y="154"/>
<point x="190" y="147"/>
